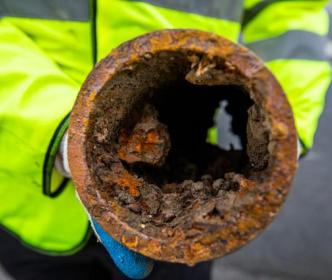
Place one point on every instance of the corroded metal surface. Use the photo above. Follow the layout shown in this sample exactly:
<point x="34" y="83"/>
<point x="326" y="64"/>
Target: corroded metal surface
<point x="148" y="142"/>
<point x="123" y="151"/>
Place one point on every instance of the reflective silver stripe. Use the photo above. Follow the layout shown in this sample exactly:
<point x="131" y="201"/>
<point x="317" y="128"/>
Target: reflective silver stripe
<point x="225" y="9"/>
<point x="294" y="44"/>
<point x="75" y="10"/>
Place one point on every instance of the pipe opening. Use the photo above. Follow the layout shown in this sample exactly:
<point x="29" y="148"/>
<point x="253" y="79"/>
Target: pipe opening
<point x="147" y="147"/>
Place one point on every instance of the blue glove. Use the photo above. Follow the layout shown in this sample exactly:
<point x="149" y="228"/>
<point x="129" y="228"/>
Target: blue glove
<point x="132" y="264"/>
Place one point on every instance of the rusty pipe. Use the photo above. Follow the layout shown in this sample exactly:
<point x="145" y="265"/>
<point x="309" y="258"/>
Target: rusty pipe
<point x="138" y="155"/>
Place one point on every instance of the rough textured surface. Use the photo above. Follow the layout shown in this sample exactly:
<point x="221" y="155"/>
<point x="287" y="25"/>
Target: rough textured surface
<point x="297" y="245"/>
<point x="154" y="183"/>
<point x="148" y="141"/>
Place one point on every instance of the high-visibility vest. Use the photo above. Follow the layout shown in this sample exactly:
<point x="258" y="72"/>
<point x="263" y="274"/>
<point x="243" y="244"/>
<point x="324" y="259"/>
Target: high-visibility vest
<point x="47" y="48"/>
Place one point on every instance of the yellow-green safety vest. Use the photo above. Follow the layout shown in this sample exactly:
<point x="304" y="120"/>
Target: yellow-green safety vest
<point x="47" y="48"/>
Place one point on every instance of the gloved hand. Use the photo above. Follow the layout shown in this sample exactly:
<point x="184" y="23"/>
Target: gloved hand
<point x="132" y="264"/>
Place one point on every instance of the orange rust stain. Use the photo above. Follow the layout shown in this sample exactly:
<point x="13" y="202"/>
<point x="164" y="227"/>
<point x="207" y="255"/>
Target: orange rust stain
<point x="246" y="224"/>
<point x="130" y="182"/>
<point x="152" y="137"/>
<point x="127" y="157"/>
<point x="138" y="147"/>
<point x="130" y="241"/>
<point x="121" y="154"/>
<point x="152" y="247"/>
<point x="210" y="238"/>
<point x="198" y="249"/>
<point x="280" y="130"/>
<point x="86" y="122"/>
<point x="91" y="98"/>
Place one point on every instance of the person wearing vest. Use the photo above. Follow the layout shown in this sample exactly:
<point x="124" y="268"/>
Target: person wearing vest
<point x="47" y="48"/>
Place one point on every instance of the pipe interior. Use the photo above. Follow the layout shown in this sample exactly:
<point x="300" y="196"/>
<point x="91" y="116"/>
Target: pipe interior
<point x="196" y="178"/>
